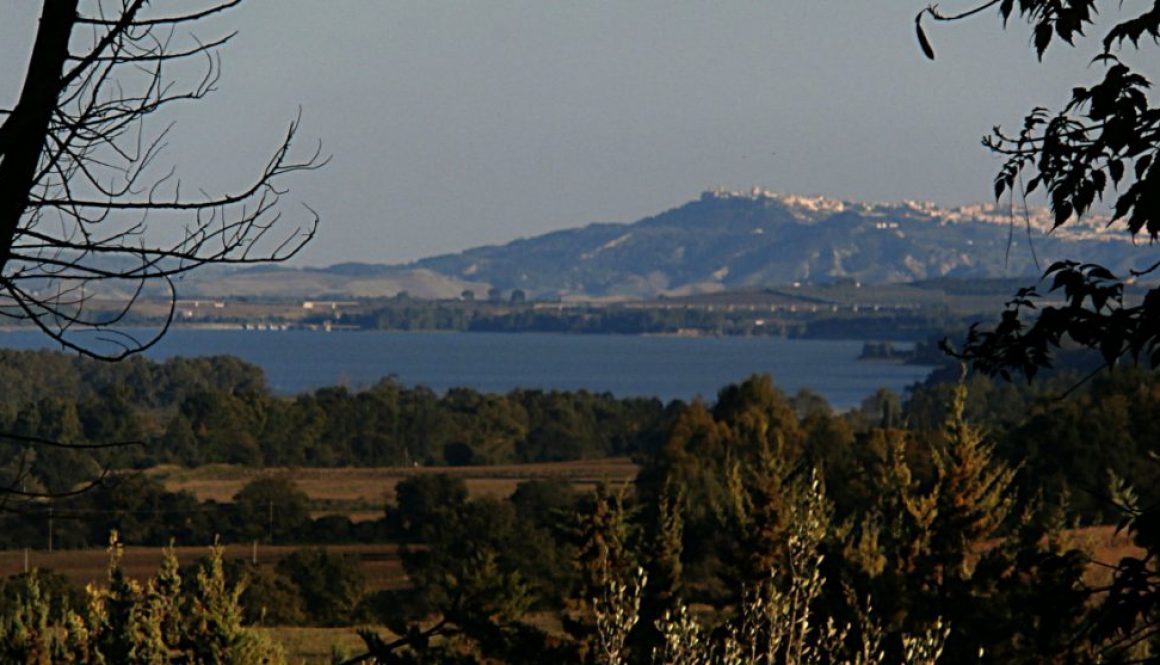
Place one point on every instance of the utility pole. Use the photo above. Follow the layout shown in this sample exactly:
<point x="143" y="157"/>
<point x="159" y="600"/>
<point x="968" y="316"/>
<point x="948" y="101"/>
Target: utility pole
<point x="50" y="529"/>
<point x="271" y="504"/>
<point x="395" y="422"/>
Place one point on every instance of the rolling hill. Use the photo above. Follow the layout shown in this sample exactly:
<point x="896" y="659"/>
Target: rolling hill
<point x="723" y="241"/>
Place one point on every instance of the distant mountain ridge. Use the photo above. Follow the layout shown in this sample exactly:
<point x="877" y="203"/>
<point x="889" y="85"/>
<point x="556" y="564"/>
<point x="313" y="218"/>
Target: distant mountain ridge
<point x="727" y="240"/>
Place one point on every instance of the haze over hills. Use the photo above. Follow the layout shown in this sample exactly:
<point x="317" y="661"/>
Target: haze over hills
<point x="725" y="240"/>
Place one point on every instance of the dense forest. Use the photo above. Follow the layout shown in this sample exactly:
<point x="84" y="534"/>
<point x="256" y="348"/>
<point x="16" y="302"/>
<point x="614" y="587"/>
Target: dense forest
<point x="207" y="410"/>
<point x="938" y="522"/>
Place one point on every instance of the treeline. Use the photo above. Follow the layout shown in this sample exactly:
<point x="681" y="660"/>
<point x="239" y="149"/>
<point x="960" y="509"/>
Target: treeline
<point x="219" y="410"/>
<point x="406" y="314"/>
<point x="939" y="519"/>
<point x="391" y="425"/>
<point x="410" y="315"/>
<point x="223" y="414"/>
<point x="900" y="534"/>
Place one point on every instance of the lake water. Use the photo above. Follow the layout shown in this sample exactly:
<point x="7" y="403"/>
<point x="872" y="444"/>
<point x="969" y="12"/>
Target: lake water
<point x="665" y="367"/>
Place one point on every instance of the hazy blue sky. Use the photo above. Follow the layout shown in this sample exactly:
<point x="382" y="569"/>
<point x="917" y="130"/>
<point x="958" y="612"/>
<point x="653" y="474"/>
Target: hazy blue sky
<point x="455" y="123"/>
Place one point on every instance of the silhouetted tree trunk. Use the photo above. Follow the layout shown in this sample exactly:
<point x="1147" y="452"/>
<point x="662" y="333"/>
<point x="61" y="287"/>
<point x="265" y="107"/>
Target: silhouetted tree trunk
<point x="79" y="183"/>
<point x="80" y="187"/>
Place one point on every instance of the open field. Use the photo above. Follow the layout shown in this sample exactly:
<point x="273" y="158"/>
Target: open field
<point x="361" y="493"/>
<point x="1106" y="547"/>
<point x="357" y="492"/>
<point x="379" y="563"/>
<point x="315" y="646"/>
<point x="383" y="570"/>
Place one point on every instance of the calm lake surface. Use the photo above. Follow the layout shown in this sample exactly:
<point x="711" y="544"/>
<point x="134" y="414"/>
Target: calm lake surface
<point x="665" y="367"/>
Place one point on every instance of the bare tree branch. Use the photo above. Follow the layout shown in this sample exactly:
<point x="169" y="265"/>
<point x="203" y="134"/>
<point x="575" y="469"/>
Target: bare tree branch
<point x="82" y="195"/>
<point x="88" y="210"/>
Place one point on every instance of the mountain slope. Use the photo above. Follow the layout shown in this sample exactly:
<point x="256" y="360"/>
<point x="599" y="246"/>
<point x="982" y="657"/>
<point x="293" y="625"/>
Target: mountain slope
<point x="722" y="241"/>
<point x="730" y="240"/>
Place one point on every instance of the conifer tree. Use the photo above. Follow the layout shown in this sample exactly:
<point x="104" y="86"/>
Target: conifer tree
<point x="971" y="494"/>
<point x="662" y="594"/>
<point x="24" y="633"/>
<point x="159" y="622"/>
<point x="935" y="532"/>
<point x="948" y="546"/>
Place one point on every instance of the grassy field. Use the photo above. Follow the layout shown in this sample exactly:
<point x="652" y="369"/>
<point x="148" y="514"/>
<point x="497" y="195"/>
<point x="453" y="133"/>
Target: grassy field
<point x="379" y="563"/>
<point x="383" y="570"/>
<point x="358" y="492"/>
<point x="315" y="646"/>
<point x="361" y="493"/>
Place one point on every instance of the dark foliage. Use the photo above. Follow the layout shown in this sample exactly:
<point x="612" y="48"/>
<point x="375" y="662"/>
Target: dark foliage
<point x="1104" y="141"/>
